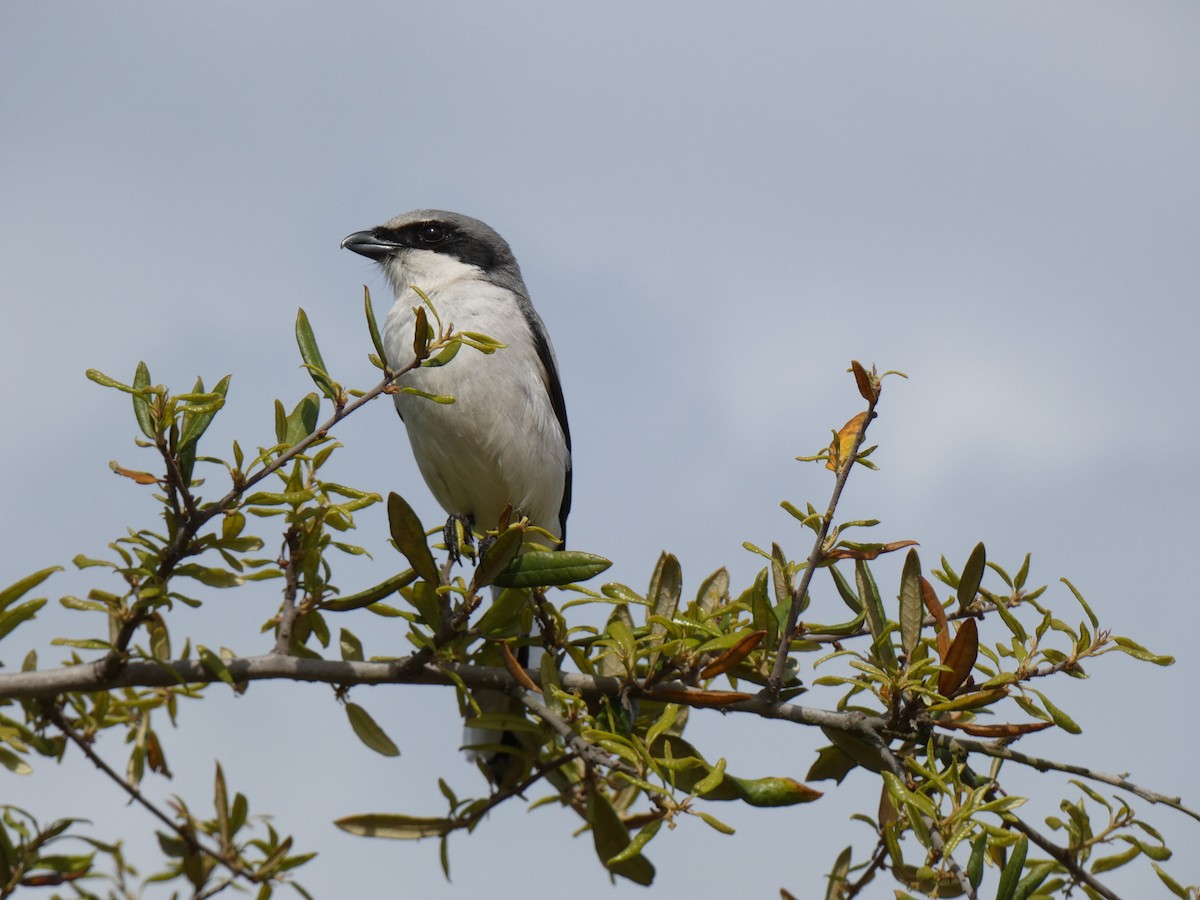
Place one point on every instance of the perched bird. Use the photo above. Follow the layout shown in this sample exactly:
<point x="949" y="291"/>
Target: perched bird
<point x="505" y="439"/>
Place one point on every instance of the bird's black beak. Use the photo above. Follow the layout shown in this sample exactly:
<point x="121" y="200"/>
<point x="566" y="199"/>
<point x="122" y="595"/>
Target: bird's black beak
<point x="366" y="243"/>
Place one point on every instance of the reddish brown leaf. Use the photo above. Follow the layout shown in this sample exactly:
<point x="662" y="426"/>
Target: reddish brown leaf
<point x="960" y="658"/>
<point x="520" y="676"/>
<point x="699" y="698"/>
<point x="733" y="655"/>
<point x="139" y="477"/>
<point x="1007" y="730"/>
<point x="844" y="441"/>
<point x="939" y="614"/>
<point x="870" y="392"/>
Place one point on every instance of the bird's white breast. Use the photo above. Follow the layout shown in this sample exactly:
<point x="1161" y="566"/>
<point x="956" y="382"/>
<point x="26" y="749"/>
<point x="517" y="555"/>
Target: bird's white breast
<point x="500" y="442"/>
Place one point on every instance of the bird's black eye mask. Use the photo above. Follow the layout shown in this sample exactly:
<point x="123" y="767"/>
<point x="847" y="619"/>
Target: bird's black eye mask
<point x="441" y="238"/>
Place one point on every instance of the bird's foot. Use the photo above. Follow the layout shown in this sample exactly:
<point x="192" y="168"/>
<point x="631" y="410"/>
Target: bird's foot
<point x="459" y="539"/>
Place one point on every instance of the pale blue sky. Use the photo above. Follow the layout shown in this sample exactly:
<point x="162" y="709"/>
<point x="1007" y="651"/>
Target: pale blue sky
<point x="715" y="211"/>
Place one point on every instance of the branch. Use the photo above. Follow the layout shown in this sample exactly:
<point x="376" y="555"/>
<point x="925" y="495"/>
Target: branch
<point x="936" y="841"/>
<point x="1060" y="855"/>
<point x="1000" y="750"/>
<point x="775" y="683"/>
<point x="54" y="714"/>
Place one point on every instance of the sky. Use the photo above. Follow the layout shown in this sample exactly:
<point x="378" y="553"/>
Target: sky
<point x="715" y="208"/>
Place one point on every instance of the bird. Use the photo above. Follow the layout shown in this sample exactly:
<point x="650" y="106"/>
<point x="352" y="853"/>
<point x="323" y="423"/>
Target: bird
<point x="505" y="441"/>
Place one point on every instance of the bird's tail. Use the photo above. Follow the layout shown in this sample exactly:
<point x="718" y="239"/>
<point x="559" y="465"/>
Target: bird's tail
<point x="496" y="749"/>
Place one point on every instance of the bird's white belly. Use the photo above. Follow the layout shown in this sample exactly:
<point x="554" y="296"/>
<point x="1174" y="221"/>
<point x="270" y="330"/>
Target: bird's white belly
<point x="499" y="443"/>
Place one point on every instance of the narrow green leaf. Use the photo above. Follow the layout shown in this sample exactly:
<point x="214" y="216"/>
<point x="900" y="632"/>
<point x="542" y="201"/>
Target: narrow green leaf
<point x="311" y="354"/>
<point x="1137" y="651"/>
<point x="1013" y="870"/>
<point x="100" y="378"/>
<point x="1079" y="599"/>
<point x="611" y="837"/>
<point x="666" y="586"/>
<point x="713" y="591"/>
<point x="302" y="421"/>
<point x="29" y="582"/>
<point x="1060" y="718"/>
<point x="712" y="780"/>
<point x="214" y="664"/>
<point x="502" y="618"/>
<point x="395" y="826"/>
<point x="370" y="733"/>
<point x="22" y="612"/>
<point x="444" y="399"/>
<point x="371" y="594"/>
<point x="196" y="421"/>
<point x="714" y="822"/>
<point x="882" y="650"/>
<point x="549" y="568"/>
<point x="351" y="646"/>
<point x="844" y="590"/>
<point x="972" y="576"/>
<point x="1115" y="860"/>
<point x="497" y="557"/>
<point x="912" y="604"/>
<point x="373" y="324"/>
<point x="141" y="400"/>
<point x="408" y="534"/>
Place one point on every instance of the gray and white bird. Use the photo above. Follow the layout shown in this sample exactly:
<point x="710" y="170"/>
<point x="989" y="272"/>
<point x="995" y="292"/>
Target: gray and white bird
<point x="505" y="439"/>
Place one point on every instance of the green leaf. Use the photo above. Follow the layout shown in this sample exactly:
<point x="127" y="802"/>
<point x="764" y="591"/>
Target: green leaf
<point x="832" y="764"/>
<point x="1013" y="870"/>
<point x="29" y="582"/>
<point x="214" y="664"/>
<point x="351" y="646"/>
<point x="549" y="568"/>
<point x="1060" y="718"/>
<point x="371" y="594"/>
<point x="1115" y="860"/>
<point x="408" y="534"/>
<point x="311" y="354"/>
<point x="370" y="733"/>
<point x="303" y="420"/>
<point x="882" y="650"/>
<point x="912" y="604"/>
<point x="972" y="576"/>
<point x="714" y="822"/>
<point x="141" y="400"/>
<point x="373" y="324"/>
<point x="1079" y="598"/>
<point x="196" y="420"/>
<point x="1137" y="651"/>
<point x="611" y="838"/>
<point x="395" y="826"/>
<point x="666" y="586"/>
<point x="100" y="378"/>
<point x="845" y="591"/>
<point x="713" y="590"/>
<point x="502" y="618"/>
<point x="14" y="763"/>
<point x="18" y="614"/>
<point x="497" y="557"/>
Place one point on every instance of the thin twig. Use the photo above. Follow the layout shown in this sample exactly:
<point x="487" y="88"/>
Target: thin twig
<point x="54" y="714"/>
<point x="287" y="617"/>
<point x="936" y="841"/>
<point x="775" y="683"/>
<point x="999" y="750"/>
<point x="1061" y="855"/>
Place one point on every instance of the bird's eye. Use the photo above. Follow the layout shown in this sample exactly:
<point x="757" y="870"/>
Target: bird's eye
<point x="432" y="233"/>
